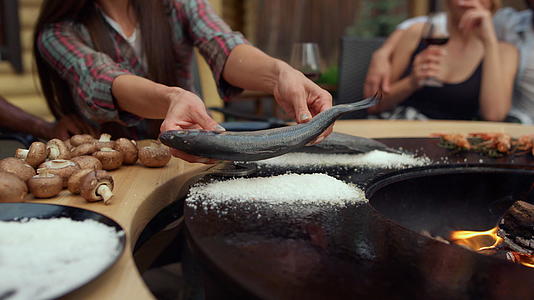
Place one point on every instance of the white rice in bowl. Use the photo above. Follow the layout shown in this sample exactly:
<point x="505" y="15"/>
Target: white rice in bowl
<point x="45" y="258"/>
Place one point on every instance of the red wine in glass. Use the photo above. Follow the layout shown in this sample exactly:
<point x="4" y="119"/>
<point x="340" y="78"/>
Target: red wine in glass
<point x="439" y="41"/>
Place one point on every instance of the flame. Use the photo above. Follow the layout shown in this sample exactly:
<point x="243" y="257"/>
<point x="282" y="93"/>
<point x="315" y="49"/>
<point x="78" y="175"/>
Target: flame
<point x="524" y="259"/>
<point x="484" y="240"/>
<point x="477" y="240"/>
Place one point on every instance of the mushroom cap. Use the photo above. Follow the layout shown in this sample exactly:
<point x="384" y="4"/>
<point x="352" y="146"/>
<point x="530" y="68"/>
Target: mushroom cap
<point x="74" y="181"/>
<point x="83" y="149"/>
<point x="45" y="185"/>
<point x="90" y="183"/>
<point x="154" y="155"/>
<point x="17" y="167"/>
<point x="57" y="149"/>
<point x="128" y="150"/>
<point x="88" y="162"/>
<point x="35" y="155"/>
<point x="12" y="188"/>
<point x="62" y="168"/>
<point x="110" y="159"/>
<point x="80" y="139"/>
<point x="104" y="141"/>
<point x="68" y="144"/>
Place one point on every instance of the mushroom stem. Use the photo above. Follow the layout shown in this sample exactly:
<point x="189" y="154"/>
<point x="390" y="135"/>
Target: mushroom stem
<point x="106" y="193"/>
<point x="54" y="152"/>
<point x="22" y="153"/>
<point x="105" y="137"/>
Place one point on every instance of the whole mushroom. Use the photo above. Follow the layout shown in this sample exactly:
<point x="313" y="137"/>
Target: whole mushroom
<point x="110" y="159"/>
<point x="154" y="155"/>
<point x="57" y="149"/>
<point x="80" y="139"/>
<point x="17" y="167"/>
<point x="104" y="141"/>
<point x="97" y="185"/>
<point x="128" y="150"/>
<point x="74" y="181"/>
<point x="12" y="188"/>
<point x="88" y="162"/>
<point x="83" y="149"/>
<point x="35" y="155"/>
<point x="62" y="168"/>
<point x="44" y="184"/>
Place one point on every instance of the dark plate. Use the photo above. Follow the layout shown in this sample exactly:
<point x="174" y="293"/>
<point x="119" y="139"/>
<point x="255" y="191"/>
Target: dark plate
<point x="19" y="211"/>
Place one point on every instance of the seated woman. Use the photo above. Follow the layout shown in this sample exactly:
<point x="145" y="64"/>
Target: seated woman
<point x="477" y="70"/>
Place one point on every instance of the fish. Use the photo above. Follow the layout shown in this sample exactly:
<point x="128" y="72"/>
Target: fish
<point x="260" y="144"/>
<point x="340" y="143"/>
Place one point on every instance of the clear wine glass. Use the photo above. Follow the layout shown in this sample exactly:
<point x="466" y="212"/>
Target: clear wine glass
<point x="305" y="57"/>
<point x="436" y="33"/>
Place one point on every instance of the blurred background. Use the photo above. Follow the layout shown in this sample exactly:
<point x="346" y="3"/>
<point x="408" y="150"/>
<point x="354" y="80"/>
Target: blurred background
<point x="272" y="25"/>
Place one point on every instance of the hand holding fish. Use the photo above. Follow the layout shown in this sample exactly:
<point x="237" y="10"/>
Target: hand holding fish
<point x="187" y="111"/>
<point x="300" y="97"/>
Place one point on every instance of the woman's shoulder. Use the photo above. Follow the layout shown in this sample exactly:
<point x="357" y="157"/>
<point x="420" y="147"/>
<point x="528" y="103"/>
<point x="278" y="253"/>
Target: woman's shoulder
<point x="411" y="37"/>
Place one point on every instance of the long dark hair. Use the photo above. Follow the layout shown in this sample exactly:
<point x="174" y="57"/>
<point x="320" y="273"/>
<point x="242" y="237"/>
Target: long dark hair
<point x="156" y="41"/>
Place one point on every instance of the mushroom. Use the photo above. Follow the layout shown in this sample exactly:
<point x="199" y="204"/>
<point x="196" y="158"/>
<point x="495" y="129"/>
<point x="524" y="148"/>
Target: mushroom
<point x="34" y="156"/>
<point x="97" y="185"/>
<point x="128" y="150"/>
<point x="17" y="167"/>
<point x="83" y="149"/>
<point x="68" y="144"/>
<point x="80" y="139"/>
<point x="74" y="181"/>
<point x="45" y="184"/>
<point x="104" y="141"/>
<point x="62" y="168"/>
<point x="88" y="162"/>
<point x="155" y="154"/>
<point x="110" y="159"/>
<point x="57" y="149"/>
<point x="12" y="188"/>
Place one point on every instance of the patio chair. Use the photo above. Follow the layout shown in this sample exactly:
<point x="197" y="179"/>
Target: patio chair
<point x="354" y="60"/>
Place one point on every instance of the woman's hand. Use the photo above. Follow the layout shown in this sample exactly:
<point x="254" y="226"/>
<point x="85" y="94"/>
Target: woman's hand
<point x="300" y="97"/>
<point x="68" y="126"/>
<point x="427" y="64"/>
<point x="187" y="111"/>
<point x="378" y="75"/>
<point x="478" y="20"/>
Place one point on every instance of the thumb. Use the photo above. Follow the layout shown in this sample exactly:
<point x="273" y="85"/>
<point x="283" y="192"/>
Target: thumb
<point x="302" y="113"/>
<point x="207" y="123"/>
<point x="385" y="85"/>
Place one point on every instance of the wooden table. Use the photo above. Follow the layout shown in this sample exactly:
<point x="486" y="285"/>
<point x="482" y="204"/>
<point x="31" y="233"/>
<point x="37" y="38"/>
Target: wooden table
<point x="142" y="192"/>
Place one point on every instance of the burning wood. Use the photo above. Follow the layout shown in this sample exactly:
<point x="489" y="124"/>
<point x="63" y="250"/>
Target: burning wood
<point x="512" y="239"/>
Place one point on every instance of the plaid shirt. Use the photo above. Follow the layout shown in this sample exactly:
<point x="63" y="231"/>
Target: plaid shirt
<point x="68" y="48"/>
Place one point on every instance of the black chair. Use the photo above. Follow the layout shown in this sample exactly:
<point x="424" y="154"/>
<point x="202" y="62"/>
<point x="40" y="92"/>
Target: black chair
<point x="10" y="44"/>
<point x="354" y="60"/>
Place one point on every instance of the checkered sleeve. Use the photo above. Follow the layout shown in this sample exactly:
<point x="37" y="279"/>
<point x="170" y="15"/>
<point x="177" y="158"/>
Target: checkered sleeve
<point x="89" y="73"/>
<point x="214" y="38"/>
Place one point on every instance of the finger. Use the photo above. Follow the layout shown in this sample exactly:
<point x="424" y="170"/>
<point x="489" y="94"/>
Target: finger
<point x="371" y="85"/>
<point x="206" y="122"/>
<point x="192" y="158"/>
<point x="300" y="106"/>
<point x="385" y="86"/>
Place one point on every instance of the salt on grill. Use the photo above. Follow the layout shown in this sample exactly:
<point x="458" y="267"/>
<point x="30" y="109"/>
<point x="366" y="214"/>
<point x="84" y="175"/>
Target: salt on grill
<point x="277" y="190"/>
<point x="43" y="259"/>
<point x="372" y="159"/>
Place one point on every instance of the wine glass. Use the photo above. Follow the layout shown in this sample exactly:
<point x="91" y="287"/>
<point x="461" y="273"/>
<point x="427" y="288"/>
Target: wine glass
<point x="305" y="57"/>
<point x="436" y="33"/>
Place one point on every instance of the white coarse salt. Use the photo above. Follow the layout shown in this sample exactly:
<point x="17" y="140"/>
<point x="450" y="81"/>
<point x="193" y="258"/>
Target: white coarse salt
<point x="372" y="159"/>
<point x="285" y="189"/>
<point x="43" y="259"/>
